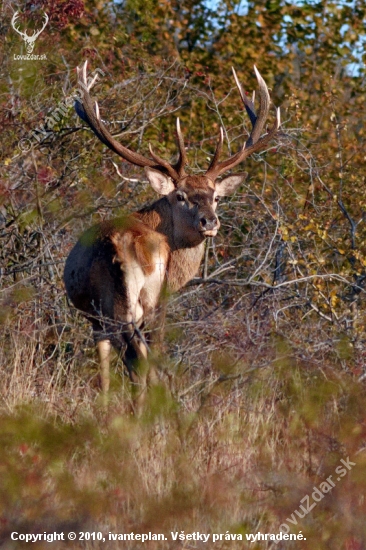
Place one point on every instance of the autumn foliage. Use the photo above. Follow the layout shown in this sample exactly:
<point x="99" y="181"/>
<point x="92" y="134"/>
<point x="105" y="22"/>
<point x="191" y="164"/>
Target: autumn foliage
<point x="263" y="356"/>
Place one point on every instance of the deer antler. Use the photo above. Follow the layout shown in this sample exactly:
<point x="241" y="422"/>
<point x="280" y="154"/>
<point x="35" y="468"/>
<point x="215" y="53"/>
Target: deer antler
<point x="13" y="21"/>
<point x="89" y="112"/>
<point x="37" y="33"/>
<point x="254" y="143"/>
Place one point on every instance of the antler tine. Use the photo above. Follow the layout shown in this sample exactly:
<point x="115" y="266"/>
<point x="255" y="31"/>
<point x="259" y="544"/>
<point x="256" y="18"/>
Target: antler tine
<point x="83" y="72"/>
<point x="248" y="104"/>
<point x="87" y="85"/>
<point x="89" y="112"/>
<point x="264" y="102"/>
<point x="259" y="120"/>
<point x="255" y="142"/>
<point x="178" y="168"/>
<point x="165" y="164"/>
<point x="217" y="153"/>
<point x="182" y="161"/>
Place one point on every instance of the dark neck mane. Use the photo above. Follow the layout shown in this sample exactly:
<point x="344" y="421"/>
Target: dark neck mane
<point x="183" y="263"/>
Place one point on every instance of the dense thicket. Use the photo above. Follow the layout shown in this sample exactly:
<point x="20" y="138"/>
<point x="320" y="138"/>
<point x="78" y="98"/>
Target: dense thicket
<point x="267" y="345"/>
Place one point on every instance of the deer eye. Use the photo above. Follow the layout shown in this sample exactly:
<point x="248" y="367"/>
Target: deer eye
<point x="180" y="197"/>
<point x="217" y="199"/>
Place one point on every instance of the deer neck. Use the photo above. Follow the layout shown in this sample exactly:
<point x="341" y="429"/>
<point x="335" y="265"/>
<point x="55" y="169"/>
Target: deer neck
<point x="184" y="260"/>
<point x="159" y="217"/>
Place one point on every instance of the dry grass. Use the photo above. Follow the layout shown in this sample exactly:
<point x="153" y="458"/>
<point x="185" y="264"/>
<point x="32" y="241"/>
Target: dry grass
<point x="259" y="414"/>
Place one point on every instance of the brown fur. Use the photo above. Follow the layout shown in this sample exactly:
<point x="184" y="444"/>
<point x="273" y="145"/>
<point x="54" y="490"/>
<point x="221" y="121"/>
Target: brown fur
<point x="98" y="273"/>
<point x="139" y="242"/>
<point x="118" y="269"/>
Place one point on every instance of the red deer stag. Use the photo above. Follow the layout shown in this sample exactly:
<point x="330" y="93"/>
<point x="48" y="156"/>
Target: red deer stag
<point x="116" y="272"/>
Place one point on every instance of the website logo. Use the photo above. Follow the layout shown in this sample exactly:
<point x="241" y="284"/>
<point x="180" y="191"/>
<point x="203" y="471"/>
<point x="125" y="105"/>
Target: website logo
<point x="29" y="40"/>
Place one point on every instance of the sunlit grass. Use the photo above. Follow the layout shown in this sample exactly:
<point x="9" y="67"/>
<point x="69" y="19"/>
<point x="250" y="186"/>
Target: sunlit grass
<point x="236" y="452"/>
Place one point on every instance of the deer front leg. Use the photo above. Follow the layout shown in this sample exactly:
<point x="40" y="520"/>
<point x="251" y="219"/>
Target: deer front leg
<point x="135" y="359"/>
<point x="104" y="351"/>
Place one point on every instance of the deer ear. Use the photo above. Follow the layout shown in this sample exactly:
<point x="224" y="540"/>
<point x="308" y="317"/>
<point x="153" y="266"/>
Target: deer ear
<point x="229" y="184"/>
<point x="161" y="183"/>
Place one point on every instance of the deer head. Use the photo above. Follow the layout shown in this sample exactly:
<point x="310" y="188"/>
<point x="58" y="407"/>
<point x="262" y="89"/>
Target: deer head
<point x="29" y="40"/>
<point x="193" y="198"/>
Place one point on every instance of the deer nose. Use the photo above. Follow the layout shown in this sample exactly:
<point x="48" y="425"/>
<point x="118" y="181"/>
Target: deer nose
<point x="208" y="224"/>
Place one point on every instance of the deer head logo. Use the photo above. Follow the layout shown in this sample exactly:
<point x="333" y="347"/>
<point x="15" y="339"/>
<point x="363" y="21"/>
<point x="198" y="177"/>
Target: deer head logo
<point x="29" y="40"/>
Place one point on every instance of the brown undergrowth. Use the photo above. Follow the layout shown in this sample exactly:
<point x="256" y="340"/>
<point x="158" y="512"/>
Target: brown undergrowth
<point x="261" y="410"/>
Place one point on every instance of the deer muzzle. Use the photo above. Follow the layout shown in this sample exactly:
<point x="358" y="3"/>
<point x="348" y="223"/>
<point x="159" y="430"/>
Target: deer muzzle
<point x="209" y="225"/>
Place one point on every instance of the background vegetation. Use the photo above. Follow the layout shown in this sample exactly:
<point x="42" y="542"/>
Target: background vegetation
<point x="265" y="351"/>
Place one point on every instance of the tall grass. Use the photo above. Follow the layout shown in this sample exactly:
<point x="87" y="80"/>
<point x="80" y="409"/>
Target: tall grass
<point x="257" y="416"/>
